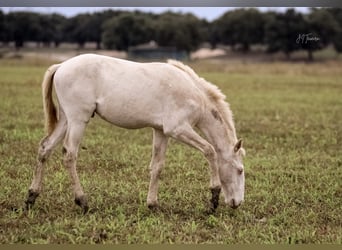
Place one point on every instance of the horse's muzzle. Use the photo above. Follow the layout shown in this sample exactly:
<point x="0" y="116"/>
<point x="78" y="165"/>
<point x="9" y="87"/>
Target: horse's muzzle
<point x="234" y="203"/>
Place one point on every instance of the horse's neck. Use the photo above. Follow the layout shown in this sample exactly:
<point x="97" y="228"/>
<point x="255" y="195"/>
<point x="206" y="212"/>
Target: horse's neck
<point x="217" y="133"/>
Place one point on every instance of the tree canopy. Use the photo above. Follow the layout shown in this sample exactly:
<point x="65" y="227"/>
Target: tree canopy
<point x="127" y="29"/>
<point x="282" y="31"/>
<point x="241" y="29"/>
<point x="181" y="31"/>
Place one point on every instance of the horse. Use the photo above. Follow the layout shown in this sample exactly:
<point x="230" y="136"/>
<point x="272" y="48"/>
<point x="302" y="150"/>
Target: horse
<point x="169" y="97"/>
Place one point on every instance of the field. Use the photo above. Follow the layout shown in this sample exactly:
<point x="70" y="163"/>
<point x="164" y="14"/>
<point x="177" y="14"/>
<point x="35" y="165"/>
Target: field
<point x="289" y="115"/>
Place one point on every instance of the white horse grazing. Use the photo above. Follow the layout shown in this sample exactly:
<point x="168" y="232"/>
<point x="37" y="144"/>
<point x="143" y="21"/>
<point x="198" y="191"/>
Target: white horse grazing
<point x="169" y="97"/>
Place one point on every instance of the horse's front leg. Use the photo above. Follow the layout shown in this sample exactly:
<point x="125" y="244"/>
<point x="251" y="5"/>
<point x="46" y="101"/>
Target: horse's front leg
<point x="157" y="163"/>
<point x="215" y="183"/>
<point x="215" y="196"/>
<point x="187" y="135"/>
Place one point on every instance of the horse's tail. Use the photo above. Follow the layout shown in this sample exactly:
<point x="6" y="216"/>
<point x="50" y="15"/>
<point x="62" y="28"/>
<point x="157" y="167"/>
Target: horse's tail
<point x="50" y="111"/>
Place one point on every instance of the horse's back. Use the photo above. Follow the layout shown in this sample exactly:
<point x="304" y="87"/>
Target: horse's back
<point x="126" y="93"/>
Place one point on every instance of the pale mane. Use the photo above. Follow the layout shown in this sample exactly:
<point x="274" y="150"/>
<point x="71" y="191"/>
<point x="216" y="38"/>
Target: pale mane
<point x="215" y="95"/>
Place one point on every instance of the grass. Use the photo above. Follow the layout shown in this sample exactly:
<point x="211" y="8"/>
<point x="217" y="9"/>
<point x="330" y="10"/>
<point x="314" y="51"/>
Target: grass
<point x="289" y="116"/>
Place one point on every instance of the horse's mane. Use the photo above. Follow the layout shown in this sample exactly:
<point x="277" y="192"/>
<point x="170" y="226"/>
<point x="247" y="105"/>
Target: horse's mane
<point x="215" y="95"/>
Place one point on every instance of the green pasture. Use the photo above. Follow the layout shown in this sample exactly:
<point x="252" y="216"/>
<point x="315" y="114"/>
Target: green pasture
<point x="289" y="115"/>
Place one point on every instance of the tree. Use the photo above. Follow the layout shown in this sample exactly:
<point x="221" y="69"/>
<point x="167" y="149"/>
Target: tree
<point x="243" y="27"/>
<point x="22" y="27"/>
<point x="204" y="30"/>
<point x="127" y="29"/>
<point x="2" y="27"/>
<point x="213" y="34"/>
<point x="282" y="31"/>
<point x="76" y="28"/>
<point x="84" y="28"/>
<point x="59" y="22"/>
<point x="337" y="39"/>
<point x="322" y="28"/>
<point x="177" y="30"/>
<point x="46" y="29"/>
<point x="94" y="25"/>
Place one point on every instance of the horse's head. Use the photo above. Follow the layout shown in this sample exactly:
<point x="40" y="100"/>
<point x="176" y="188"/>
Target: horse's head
<point x="233" y="177"/>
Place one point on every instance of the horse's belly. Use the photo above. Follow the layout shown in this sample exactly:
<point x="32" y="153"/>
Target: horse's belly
<point x="130" y="122"/>
<point x="130" y="113"/>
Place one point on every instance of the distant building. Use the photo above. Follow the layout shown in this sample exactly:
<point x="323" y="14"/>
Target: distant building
<point x="152" y="51"/>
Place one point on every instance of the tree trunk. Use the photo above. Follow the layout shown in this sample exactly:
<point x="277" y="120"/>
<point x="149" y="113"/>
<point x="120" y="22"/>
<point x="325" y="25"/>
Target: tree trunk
<point x="288" y="55"/>
<point x="245" y="47"/>
<point x="98" y="45"/>
<point x="81" y="45"/>
<point x="213" y="45"/>
<point x="310" y="55"/>
<point x="18" y="44"/>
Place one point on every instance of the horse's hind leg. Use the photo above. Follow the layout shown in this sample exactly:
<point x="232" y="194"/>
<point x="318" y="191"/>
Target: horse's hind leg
<point x="70" y="150"/>
<point x="157" y="163"/>
<point x="46" y="147"/>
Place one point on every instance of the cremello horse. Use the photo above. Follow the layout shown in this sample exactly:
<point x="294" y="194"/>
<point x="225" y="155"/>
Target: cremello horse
<point x="169" y="97"/>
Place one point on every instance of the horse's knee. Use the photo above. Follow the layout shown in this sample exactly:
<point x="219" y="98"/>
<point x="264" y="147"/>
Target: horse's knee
<point x="44" y="150"/>
<point x="155" y="172"/>
<point x="209" y="152"/>
<point x="69" y="157"/>
<point x="156" y="168"/>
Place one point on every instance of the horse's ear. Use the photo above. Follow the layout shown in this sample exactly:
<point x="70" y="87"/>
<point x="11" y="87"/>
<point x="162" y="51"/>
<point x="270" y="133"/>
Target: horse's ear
<point x="238" y="145"/>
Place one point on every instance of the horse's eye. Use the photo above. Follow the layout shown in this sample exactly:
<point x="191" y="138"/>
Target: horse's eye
<point x="240" y="171"/>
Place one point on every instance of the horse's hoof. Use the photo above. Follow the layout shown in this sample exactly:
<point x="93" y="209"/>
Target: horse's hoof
<point x="83" y="203"/>
<point x="153" y="206"/>
<point x="31" y="199"/>
<point x="209" y="211"/>
<point x="85" y="209"/>
<point x="215" y="196"/>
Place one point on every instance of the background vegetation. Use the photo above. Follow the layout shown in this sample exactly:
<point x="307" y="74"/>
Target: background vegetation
<point x="289" y="115"/>
<point x="240" y="28"/>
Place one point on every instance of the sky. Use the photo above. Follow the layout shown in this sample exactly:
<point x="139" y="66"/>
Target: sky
<point x="209" y="13"/>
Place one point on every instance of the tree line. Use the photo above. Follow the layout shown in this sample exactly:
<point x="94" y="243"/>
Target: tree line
<point x="241" y="28"/>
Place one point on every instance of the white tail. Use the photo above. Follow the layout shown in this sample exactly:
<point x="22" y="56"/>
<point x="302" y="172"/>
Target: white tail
<point x="50" y="111"/>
